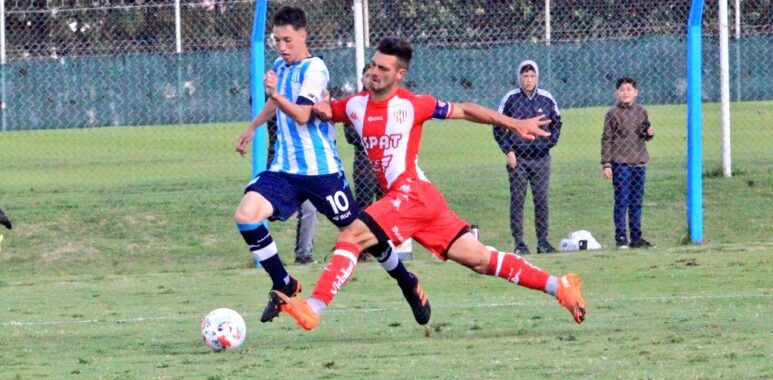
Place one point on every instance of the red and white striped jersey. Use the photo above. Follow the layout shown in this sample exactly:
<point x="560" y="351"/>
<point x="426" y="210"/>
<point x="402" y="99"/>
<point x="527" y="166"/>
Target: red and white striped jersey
<point x="390" y="130"/>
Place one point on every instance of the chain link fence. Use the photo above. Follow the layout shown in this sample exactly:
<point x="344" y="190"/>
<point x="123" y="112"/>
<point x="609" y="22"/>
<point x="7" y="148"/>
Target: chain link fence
<point x="89" y="63"/>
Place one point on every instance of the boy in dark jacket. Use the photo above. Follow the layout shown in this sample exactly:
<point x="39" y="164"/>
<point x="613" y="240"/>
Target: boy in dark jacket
<point x="528" y="162"/>
<point x="623" y="158"/>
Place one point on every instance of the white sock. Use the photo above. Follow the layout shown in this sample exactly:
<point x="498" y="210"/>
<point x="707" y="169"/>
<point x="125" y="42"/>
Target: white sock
<point x="391" y="261"/>
<point x="317" y="305"/>
<point x="551" y="287"/>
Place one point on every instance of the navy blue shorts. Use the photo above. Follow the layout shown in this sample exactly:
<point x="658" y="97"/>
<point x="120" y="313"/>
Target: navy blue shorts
<point x="330" y="194"/>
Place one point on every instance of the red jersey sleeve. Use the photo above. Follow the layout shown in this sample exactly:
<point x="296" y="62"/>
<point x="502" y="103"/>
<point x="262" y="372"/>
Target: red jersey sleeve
<point x="429" y="107"/>
<point x="338" y="108"/>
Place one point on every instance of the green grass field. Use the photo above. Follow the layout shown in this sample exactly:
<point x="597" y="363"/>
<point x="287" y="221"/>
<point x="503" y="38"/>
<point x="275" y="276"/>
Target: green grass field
<point x="124" y="239"/>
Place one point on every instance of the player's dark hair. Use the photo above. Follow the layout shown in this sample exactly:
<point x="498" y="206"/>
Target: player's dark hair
<point x="292" y="16"/>
<point x="526" y="68"/>
<point x="625" y="80"/>
<point x="398" y="47"/>
<point x="366" y="68"/>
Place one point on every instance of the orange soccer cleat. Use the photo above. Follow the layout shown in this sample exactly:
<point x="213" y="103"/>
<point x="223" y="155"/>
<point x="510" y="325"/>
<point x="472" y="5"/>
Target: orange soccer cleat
<point x="570" y="296"/>
<point x="299" y="309"/>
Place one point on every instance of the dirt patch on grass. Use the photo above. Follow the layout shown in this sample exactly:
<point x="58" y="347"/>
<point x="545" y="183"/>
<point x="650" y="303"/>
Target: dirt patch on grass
<point x="70" y="252"/>
<point x="144" y="219"/>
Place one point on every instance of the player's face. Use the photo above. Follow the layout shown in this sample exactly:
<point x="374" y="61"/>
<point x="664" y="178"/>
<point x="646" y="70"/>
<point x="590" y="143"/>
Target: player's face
<point x="290" y="43"/>
<point x="528" y="80"/>
<point x="385" y="73"/>
<point x="626" y="93"/>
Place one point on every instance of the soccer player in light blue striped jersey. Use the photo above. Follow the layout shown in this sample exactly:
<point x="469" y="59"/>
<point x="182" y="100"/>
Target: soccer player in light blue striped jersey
<point x="306" y="165"/>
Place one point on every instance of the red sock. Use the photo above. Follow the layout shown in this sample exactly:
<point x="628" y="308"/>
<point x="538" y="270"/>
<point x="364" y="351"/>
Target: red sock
<point x="517" y="270"/>
<point x="337" y="272"/>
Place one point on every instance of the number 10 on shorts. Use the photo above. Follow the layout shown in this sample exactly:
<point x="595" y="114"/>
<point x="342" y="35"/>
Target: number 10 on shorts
<point x="338" y="202"/>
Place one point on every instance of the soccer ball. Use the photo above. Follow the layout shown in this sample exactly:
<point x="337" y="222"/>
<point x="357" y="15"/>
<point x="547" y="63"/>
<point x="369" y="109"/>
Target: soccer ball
<point x="223" y="329"/>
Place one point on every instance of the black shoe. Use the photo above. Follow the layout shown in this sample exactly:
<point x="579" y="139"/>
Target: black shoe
<point x="5" y="221"/>
<point x="621" y="243"/>
<point x="545" y="247"/>
<point x="303" y="260"/>
<point x="641" y="243"/>
<point x="274" y="305"/>
<point x="521" y="249"/>
<point x="419" y="302"/>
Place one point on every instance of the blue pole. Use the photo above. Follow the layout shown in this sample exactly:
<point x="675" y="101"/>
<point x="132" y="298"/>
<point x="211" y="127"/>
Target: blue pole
<point x="257" y="94"/>
<point x="694" y="124"/>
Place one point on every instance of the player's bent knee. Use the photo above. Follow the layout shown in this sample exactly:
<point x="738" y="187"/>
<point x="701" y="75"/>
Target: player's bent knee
<point x="253" y="209"/>
<point x="243" y="216"/>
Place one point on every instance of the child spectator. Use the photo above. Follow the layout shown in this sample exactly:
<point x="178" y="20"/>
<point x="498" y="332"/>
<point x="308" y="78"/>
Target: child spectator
<point x="624" y="157"/>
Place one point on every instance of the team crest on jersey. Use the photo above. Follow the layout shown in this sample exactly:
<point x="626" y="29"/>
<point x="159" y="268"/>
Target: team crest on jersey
<point x="353" y="116"/>
<point x="400" y="115"/>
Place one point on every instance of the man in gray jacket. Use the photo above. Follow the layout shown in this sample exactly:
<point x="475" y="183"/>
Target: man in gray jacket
<point x="528" y="162"/>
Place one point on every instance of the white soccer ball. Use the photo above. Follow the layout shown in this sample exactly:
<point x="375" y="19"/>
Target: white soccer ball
<point x="223" y="329"/>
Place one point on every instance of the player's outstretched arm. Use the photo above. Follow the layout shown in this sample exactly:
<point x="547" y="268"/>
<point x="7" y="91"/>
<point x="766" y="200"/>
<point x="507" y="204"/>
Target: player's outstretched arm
<point x="268" y="111"/>
<point x="527" y="129"/>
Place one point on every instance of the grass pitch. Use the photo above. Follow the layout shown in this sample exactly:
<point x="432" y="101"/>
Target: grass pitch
<point x="124" y="240"/>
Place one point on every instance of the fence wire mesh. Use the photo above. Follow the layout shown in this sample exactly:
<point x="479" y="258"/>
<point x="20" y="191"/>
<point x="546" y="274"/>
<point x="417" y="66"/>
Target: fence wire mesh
<point x="110" y="63"/>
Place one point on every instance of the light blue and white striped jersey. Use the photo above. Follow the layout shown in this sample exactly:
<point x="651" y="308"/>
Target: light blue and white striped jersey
<point x="308" y="149"/>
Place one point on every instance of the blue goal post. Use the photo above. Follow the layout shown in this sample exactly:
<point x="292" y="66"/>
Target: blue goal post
<point x="694" y="124"/>
<point x="257" y="95"/>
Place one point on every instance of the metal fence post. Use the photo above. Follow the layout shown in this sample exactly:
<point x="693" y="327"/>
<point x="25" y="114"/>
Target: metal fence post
<point x="547" y="22"/>
<point x="359" y="41"/>
<point x="2" y="62"/>
<point x="724" y="78"/>
<point x="178" y="60"/>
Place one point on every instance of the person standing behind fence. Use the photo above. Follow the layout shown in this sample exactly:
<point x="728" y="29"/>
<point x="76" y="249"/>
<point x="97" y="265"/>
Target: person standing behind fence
<point x="624" y="158"/>
<point x="528" y="162"/>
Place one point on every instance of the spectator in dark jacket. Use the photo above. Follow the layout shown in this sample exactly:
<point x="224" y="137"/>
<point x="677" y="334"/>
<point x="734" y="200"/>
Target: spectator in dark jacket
<point x="624" y="158"/>
<point x="528" y="162"/>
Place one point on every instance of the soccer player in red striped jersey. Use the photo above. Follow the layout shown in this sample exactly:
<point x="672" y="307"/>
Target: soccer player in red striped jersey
<point x="389" y="120"/>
